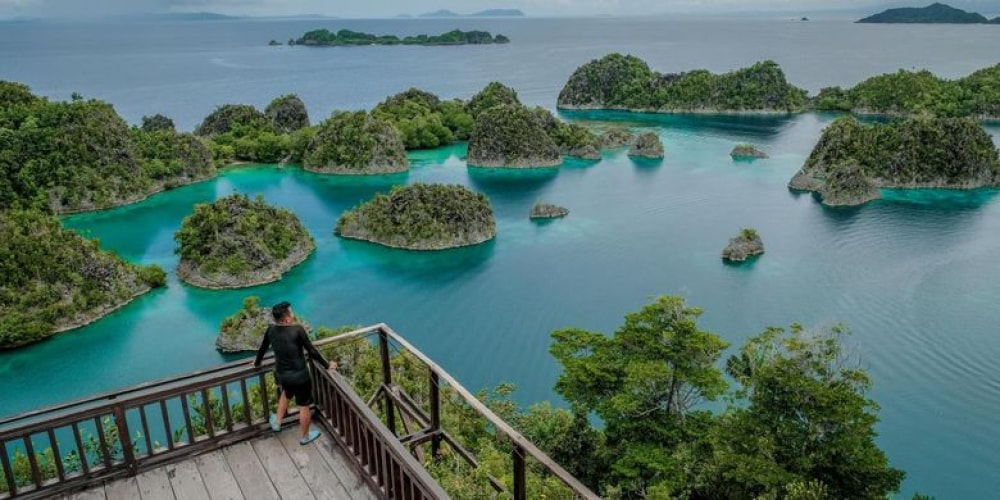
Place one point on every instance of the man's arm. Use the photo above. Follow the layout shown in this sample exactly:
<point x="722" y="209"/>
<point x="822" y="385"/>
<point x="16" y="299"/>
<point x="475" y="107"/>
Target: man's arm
<point x="264" y="345"/>
<point x="313" y="352"/>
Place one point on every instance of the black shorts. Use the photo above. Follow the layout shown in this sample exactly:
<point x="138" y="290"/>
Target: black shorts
<point x="301" y="391"/>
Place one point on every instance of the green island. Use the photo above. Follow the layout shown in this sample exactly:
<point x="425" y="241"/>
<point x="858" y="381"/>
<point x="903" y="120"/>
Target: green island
<point x="425" y="120"/>
<point x="853" y="161"/>
<point x="244" y="330"/>
<point x="238" y="242"/>
<point x="508" y="134"/>
<point x="239" y="133"/>
<point x="421" y="217"/>
<point x="744" y="245"/>
<point x="348" y="38"/>
<point x="647" y="145"/>
<point x="77" y="156"/>
<point x="624" y="82"/>
<point x="620" y="82"/>
<point x="356" y="143"/>
<point x="54" y="280"/>
<point x="908" y="92"/>
<point x="935" y="13"/>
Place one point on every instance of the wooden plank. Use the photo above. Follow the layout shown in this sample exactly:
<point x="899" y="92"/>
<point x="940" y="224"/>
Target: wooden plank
<point x="93" y="493"/>
<point x="218" y="477"/>
<point x="122" y="489"/>
<point x="154" y="485"/>
<point x="313" y="468"/>
<point x="186" y="481"/>
<point x="356" y="487"/>
<point x="284" y="476"/>
<point x="249" y="472"/>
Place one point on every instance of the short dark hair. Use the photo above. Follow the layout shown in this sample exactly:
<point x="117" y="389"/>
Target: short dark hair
<point x="280" y="310"/>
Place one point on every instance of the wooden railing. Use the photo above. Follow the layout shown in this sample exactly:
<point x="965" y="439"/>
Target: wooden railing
<point x="71" y="446"/>
<point x="423" y="425"/>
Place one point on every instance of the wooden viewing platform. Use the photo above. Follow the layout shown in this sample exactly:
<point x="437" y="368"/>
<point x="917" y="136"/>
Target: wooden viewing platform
<point x="266" y="468"/>
<point x="205" y="435"/>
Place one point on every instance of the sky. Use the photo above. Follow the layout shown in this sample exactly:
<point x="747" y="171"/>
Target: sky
<point x="390" y="8"/>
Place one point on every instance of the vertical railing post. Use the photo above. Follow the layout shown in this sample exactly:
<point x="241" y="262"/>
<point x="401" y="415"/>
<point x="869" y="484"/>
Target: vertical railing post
<point x="435" y="415"/>
<point x="126" y="441"/>
<point x="390" y="408"/>
<point x="520" y="488"/>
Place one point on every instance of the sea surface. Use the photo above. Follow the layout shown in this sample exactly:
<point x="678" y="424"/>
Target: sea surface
<point x="914" y="275"/>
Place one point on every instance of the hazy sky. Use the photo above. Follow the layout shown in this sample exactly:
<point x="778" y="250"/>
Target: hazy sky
<point x="389" y="8"/>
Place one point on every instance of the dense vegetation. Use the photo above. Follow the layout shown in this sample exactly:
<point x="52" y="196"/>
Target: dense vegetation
<point x="356" y="143"/>
<point x="424" y="120"/>
<point x="422" y="217"/>
<point x="237" y="242"/>
<point x="626" y="82"/>
<point x="797" y="424"/>
<point x="851" y="159"/>
<point x="936" y="13"/>
<point x="80" y="155"/>
<point x="55" y="280"/>
<point x="909" y="92"/>
<point x="344" y="37"/>
<point x="240" y="132"/>
<point x="511" y="136"/>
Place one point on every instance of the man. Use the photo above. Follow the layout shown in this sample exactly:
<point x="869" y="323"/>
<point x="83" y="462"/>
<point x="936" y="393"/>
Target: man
<point x="289" y="340"/>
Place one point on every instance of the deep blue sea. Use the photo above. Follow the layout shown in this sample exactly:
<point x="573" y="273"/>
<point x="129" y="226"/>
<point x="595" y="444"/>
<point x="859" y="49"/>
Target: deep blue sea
<point x="914" y="275"/>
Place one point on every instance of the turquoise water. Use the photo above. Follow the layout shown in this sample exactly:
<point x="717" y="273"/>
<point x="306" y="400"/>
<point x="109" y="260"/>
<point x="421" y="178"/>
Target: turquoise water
<point x="913" y="276"/>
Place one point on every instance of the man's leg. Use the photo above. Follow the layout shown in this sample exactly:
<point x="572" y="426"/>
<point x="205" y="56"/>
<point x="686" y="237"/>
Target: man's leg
<point x="282" y="406"/>
<point x="305" y="419"/>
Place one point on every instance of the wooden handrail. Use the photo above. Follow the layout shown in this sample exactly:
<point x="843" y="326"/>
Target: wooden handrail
<point x="522" y="446"/>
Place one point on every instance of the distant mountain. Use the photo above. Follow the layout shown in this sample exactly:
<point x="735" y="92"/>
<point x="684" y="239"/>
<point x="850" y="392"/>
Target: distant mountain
<point x="195" y="16"/>
<point x="445" y="13"/>
<point x="937" y="13"/>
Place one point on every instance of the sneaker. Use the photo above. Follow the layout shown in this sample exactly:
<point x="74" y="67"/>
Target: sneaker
<point x="275" y="425"/>
<point x="309" y="438"/>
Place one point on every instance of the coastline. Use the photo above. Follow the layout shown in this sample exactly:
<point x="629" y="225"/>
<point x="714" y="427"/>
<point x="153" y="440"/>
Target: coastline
<point x="413" y="249"/>
<point x="191" y="275"/>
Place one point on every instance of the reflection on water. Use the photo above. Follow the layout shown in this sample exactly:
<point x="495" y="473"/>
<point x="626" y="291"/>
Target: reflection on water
<point x="752" y="127"/>
<point x="439" y="266"/>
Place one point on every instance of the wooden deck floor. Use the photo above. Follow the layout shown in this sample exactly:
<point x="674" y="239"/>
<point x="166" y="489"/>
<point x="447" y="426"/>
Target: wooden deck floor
<point x="271" y="467"/>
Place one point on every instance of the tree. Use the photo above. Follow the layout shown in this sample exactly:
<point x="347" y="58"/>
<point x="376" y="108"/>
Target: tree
<point x="644" y="383"/>
<point x="806" y="421"/>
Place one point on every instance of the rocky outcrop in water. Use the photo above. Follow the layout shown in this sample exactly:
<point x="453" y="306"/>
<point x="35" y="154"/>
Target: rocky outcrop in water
<point x="745" y="245"/>
<point x="647" y="145"/>
<point x="542" y="210"/>
<point x="616" y="137"/>
<point x="747" y="152"/>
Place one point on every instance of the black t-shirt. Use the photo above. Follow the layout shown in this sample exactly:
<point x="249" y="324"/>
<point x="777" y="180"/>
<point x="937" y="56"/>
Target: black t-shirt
<point x="289" y="342"/>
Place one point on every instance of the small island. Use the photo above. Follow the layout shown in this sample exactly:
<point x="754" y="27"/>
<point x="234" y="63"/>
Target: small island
<point x="348" y="38"/>
<point x="511" y="136"/>
<point x="54" y="280"/>
<point x="421" y="217"/>
<point x="239" y="242"/>
<point x="244" y="330"/>
<point x="616" y="137"/>
<point x="647" y="145"/>
<point x="623" y="82"/>
<point x="745" y="245"/>
<point x="853" y="161"/>
<point x="356" y="143"/>
<point x="747" y="152"/>
<point x="936" y="13"/>
<point x="542" y="210"/>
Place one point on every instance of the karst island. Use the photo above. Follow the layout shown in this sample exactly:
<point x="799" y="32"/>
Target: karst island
<point x="421" y="217"/>
<point x="238" y="242"/>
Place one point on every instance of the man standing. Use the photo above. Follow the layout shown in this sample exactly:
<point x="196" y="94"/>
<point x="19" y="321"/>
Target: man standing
<point x="289" y="340"/>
